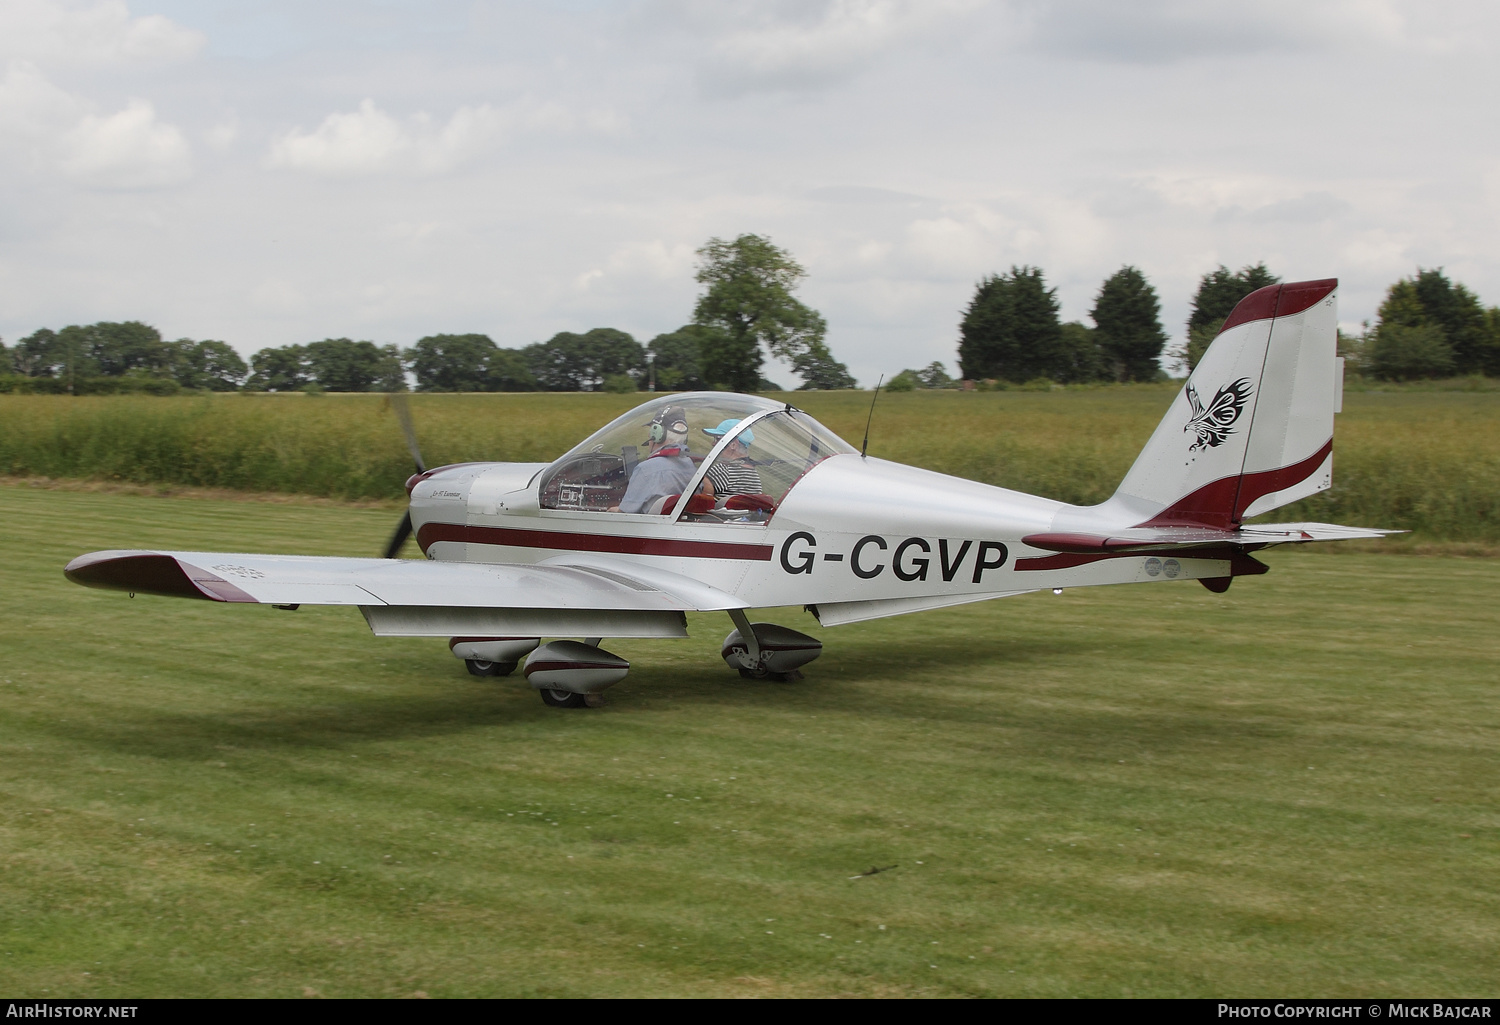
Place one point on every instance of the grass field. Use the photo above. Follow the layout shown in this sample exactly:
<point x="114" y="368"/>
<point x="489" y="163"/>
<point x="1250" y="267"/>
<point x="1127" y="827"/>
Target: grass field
<point x="1423" y="461"/>
<point x="1286" y="790"/>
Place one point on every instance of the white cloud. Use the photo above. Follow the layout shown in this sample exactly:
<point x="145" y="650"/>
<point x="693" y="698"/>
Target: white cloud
<point x="57" y="131"/>
<point x="648" y="262"/>
<point x="127" y="150"/>
<point x="801" y="44"/>
<point x="31" y="107"/>
<point x="221" y="136"/>
<point x="1159" y="31"/>
<point x="366" y="141"/>
<point x="54" y="31"/>
<point x="370" y="141"/>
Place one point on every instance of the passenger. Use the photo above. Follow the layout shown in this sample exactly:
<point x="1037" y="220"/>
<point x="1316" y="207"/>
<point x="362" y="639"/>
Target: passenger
<point x="732" y="473"/>
<point x="667" y="470"/>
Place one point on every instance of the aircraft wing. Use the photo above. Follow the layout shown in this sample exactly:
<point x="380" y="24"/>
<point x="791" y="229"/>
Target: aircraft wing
<point x="1157" y="539"/>
<point x="406" y="597"/>
<point x="316" y="580"/>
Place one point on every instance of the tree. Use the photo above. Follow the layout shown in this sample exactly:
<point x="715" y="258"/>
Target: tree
<point x="282" y="369"/>
<point x="819" y="370"/>
<point x="677" y="358"/>
<point x="74" y="348"/>
<point x="748" y="296"/>
<point x="1219" y="292"/>
<point x="218" y="366"/>
<point x="1080" y="357"/>
<point x="118" y="349"/>
<point x="451" y="362"/>
<point x="39" y="354"/>
<point x="208" y="364"/>
<point x="339" y="364"/>
<point x="1011" y="329"/>
<point x="1431" y="300"/>
<point x="1399" y="352"/>
<point x="1128" y="319"/>
<point x="730" y="362"/>
<point x="934" y="375"/>
<point x="574" y="362"/>
<point x="506" y="370"/>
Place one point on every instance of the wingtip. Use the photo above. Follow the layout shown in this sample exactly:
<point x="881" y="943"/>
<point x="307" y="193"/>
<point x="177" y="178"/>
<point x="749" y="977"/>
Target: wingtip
<point x="147" y="572"/>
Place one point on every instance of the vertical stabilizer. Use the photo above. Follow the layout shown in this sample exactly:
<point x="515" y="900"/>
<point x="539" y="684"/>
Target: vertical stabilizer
<point x="1252" y="429"/>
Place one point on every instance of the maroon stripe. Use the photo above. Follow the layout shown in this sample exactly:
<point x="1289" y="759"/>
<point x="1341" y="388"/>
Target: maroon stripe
<point x="431" y="533"/>
<point x="1279" y="301"/>
<point x="1258" y="305"/>
<point x="151" y="573"/>
<point x="1303" y="295"/>
<point x="548" y="667"/>
<point x="1082" y="543"/>
<point x="1221" y="504"/>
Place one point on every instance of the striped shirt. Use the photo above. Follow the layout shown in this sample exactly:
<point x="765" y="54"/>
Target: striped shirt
<point x="735" y="477"/>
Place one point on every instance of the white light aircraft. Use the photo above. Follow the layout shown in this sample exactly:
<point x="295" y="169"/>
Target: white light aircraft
<point x="780" y="511"/>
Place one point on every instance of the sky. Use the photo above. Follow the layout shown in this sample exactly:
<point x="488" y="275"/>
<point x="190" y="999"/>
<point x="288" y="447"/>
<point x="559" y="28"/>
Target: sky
<point x="269" y="172"/>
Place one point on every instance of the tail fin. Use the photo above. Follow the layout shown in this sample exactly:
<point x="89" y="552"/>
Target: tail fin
<point x="1252" y="429"/>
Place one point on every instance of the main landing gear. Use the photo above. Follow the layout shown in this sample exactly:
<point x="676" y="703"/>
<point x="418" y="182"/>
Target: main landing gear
<point x="767" y="651"/>
<point x="480" y="667"/>
<point x="575" y="674"/>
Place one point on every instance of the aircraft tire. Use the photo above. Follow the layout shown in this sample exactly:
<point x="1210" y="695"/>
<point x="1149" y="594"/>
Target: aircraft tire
<point x="479" y="667"/>
<point x="563" y="699"/>
<point x="763" y="674"/>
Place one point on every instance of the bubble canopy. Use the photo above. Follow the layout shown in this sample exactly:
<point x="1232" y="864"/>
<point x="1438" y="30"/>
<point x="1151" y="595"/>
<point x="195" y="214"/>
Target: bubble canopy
<point x="592" y="476"/>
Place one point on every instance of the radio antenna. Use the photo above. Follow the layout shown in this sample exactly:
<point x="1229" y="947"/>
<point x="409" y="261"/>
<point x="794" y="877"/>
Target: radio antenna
<point x="866" y="446"/>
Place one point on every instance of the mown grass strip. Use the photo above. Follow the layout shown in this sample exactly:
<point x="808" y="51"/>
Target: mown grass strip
<point x="1285" y="790"/>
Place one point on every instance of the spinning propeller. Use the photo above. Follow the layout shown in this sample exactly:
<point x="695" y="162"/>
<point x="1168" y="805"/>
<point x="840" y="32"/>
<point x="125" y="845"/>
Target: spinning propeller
<point x="397" y="402"/>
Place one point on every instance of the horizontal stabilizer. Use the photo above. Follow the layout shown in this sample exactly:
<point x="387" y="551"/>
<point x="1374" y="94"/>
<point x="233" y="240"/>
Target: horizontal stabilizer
<point x="1152" y="539"/>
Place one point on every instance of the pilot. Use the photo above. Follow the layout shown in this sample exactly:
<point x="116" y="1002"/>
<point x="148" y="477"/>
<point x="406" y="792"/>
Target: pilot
<point x="667" y="470"/>
<point x="732" y="473"/>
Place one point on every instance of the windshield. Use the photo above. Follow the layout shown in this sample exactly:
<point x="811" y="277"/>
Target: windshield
<point x="594" y="474"/>
<point x="758" y="463"/>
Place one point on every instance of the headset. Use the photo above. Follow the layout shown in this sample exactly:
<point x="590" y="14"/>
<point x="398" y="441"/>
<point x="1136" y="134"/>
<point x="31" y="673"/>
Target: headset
<point x="658" y="432"/>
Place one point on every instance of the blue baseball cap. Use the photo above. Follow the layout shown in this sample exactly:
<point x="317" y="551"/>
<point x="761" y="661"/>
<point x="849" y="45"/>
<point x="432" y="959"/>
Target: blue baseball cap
<point x="725" y="426"/>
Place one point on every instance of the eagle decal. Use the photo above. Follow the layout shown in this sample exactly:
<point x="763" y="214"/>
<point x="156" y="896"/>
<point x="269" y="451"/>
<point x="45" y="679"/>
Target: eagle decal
<point x="1214" y="423"/>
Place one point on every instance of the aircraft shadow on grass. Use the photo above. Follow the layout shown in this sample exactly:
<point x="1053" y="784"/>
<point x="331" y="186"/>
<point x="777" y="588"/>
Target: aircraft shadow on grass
<point x="866" y="685"/>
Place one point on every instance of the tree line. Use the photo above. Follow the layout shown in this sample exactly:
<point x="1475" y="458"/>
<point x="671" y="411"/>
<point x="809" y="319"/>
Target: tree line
<point x="1427" y="326"/>
<point x="747" y="311"/>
